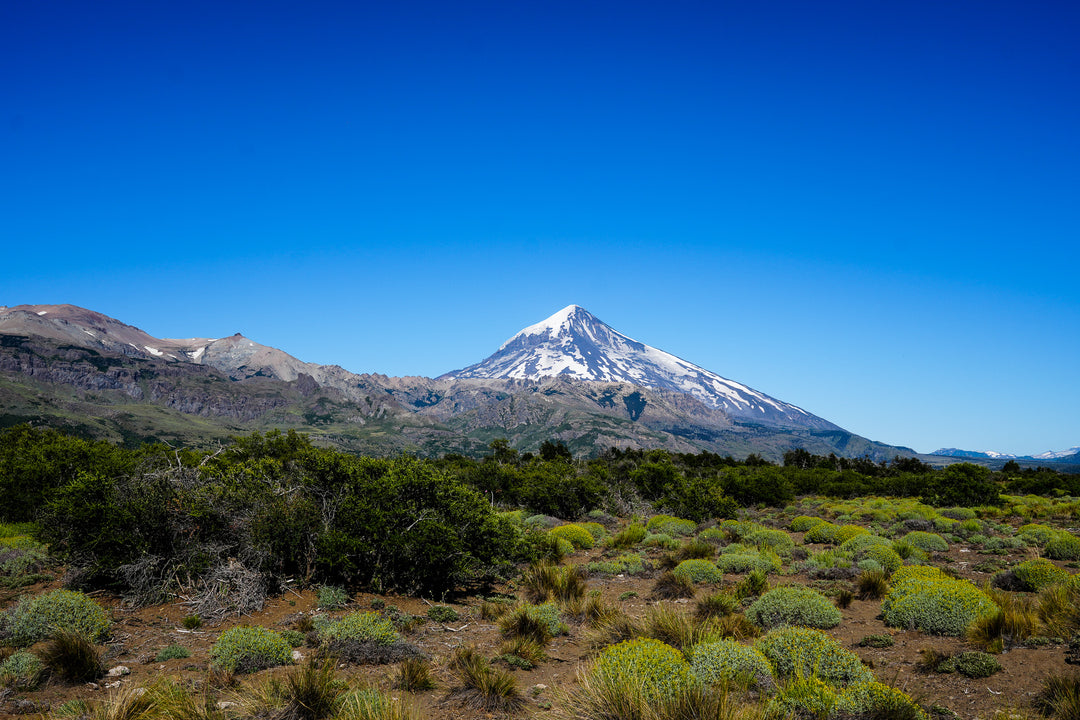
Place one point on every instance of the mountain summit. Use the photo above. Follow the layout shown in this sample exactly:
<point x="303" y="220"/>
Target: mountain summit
<point x="574" y="343"/>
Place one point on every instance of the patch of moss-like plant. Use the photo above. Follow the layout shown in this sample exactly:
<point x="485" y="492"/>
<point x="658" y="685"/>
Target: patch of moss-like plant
<point x="971" y="664"/>
<point x="247" y="649"/>
<point x="699" y="571"/>
<point x="1039" y="573"/>
<point x="723" y="661"/>
<point x="331" y="597"/>
<point x="36" y="618"/>
<point x="793" y="605"/>
<point x="927" y="599"/>
<point x="172" y="652"/>
<point x="577" y="536"/>
<point x="442" y="614"/>
<point x="626" y="564"/>
<point x="360" y="626"/>
<point x="799" y="651"/>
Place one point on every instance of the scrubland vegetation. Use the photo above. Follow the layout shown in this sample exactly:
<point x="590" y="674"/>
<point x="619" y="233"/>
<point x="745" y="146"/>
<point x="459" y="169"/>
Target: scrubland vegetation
<point x="639" y="584"/>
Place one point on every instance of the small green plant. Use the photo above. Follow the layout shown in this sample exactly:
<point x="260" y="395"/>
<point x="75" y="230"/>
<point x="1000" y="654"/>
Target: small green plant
<point x="172" y="652"/>
<point x="628" y="537"/>
<point x="331" y="597"/>
<point x="1039" y="573"/>
<point x="536" y="622"/>
<point x="250" y="648"/>
<point x="716" y="605"/>
<point x="754" y="584"/>
<point x="522" y="652"/>
<point x="481" y="686"/>
<point x="876" y="700"/>
<point x="926" y="541"/>
<point x="628" y="595"/>
<point x="580" y="538"/>
<point x="443" y="614"/>
<point x="295" y="638"/>
<point x="872" y="585"/>
<point x="796" y="651"/>
<point x="929" y="600"/>
<point x="877" y="641"/>
<point x="562" y="583"/>
<point x="191" y="622"/>
<point x="670" y="586"/>
<point x="36" y="618"/>
<point x="22" y="671"/>
<point x="378" y="603"/>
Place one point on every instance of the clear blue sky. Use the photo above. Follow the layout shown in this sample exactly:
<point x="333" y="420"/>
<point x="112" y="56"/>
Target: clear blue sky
<point x="868" y="209"/>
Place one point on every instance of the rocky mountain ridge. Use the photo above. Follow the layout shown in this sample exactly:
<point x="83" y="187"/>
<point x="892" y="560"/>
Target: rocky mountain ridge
<point x="64" y="365"/>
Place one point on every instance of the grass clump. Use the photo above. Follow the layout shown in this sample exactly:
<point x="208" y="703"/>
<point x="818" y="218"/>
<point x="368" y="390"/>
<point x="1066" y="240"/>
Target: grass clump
<point x="728" y="661"/>
<point x="877" y="641"/>
<point x="793" y="605"/>
<point x="71" y="656"/>
<point x="36" y="618"/>
<point x="371" y="704"/>
<point x="481" y="686"/>
<point x="251" y="648"/>
<point x="539" y="623"/>
<point x="796" y="651"/>
<point x="1059" y="696"/>
<point x="927" y="599"/>
<point x="716" y="605"/>
<point x="872" y="585"/>
<point x="628" y="537"/>
<point x="670" y="586"/>
<point x="414" y="675"/>
<point x="561" y="583"/>
<point x="803" y="697"/>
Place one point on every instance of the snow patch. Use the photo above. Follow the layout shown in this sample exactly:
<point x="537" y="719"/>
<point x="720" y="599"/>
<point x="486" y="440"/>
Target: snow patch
<point x="89" y="333"/>
<point x="153" y="351"/>
<point x="43" y="312"/>
<point x="198" y="353"/>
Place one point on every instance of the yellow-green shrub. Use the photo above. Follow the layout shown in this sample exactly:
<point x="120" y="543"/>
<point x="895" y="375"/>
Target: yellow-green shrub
<point x="578" y="536"/>
<point x="927" y="599"/>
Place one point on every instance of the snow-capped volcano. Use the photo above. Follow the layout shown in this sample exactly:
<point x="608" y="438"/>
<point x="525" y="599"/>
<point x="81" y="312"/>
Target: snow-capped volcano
<point x="574" y="343"/>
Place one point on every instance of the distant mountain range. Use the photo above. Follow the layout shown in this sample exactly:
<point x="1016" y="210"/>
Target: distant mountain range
<point x="570" y="378"/>
<point x="1071" y="455"/>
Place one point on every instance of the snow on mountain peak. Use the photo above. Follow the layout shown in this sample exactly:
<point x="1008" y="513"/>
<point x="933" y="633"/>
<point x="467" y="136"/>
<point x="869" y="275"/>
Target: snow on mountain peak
<point x="576" y="344"/>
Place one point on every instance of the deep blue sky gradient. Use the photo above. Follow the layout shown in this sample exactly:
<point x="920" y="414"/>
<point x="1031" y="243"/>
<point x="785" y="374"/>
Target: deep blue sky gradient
<point x="869" y="209"/>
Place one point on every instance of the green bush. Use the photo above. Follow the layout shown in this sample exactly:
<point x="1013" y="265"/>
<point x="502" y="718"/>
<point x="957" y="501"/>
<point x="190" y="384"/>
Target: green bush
<point x="247" y="649"/>
<point x="824" y="532"/>
<point x="884" y="556"/>
<point x="797" y="651"/>
<point x="971" y="664"/>
<point x="1039" y="573"/>
<point x="1063" y="547"/>
<point x="625" y="564"/>
<point x="22" y="671"/>
<point x="369" y="627"/>
<point x="927" y="599"/>
<point x="766" y="562"/>
<point x="172" y="652"/>
<point x="699" y="571"/>
<point x="36" y="618"/>
<point x="1036" y="534"/>
<point x="595" y="529"/>
<point x="658" y="670"/>
<point x="442" y="613"/>
<point x="331" y="597"/>
<point x="728" y="660"/>
<point x="793" y="605"/>
<point x="926" y="541"/>
<point x="629" y="536"/>
<point x="847" y="532"/>
<point x="802" y="523"/>
<point x="578" y="536"/>
<point x="777" y="541"/>
<point x="22" y="561"/>
<point x="528" y="619"/>
<point x="670" y="525"/>
<point x="803" y="697"/>
<point x="876" y="700"/>
<point x="660" y="540"/>
<point x="862" y="542"/>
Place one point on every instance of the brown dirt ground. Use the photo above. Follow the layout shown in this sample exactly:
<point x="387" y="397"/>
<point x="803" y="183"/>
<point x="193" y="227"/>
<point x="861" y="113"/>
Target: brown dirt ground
<point x="140" y="633"/>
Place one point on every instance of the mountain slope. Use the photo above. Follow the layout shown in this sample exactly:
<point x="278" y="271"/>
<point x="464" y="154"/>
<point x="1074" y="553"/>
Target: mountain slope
<point x="574" y="343"/>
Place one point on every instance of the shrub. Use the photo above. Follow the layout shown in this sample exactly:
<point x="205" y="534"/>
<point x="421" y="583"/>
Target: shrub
<point x="35" y="618"/>
<point x="848" y="532"/>
<point x="626" y="564"/>
<point x="670" y="525"/>
<point x="368" y="627"/>
<point x="889" y="560"/>
<point x="698" y="571"/>
<point x="776" y="540"/>
<point x="22" y="671"/>
<point x="971" y="664"/>
<point x="172" y="652"/>
<point x="1059" y="696"/>
<point x="736" y="562"/>
<point x="823" y="532"/>
<point x="1039" y="573"/>
<point x="727" y="660"/>
<point x="331" y="597"/>
<point x="22" y="561"/>
<point x="1063" y="547"/>
<point x="536" y="622"/>
<point x="876" y="700"/>
<point x="862" y="542"/>
<point x="795" y="651"/>
<point x="595" y="529"/>
<point x="577" y="536"/>
<point x="442" y="613"/>
<point x="656" y="669"/>
<point x="694" y="550"/>
<point x="802" y="697"/>
<point x="1036" y="534"/>
<point x="246" y="649"/>
<point x="793" y="605"/>
<point x="926" y="541"/>
<point x="929" y="600"/>
<point x="877" y="641"/>
<point x="660" y="540"/>
<point x="191" y="622"/>
<point x="802" y="523"/>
